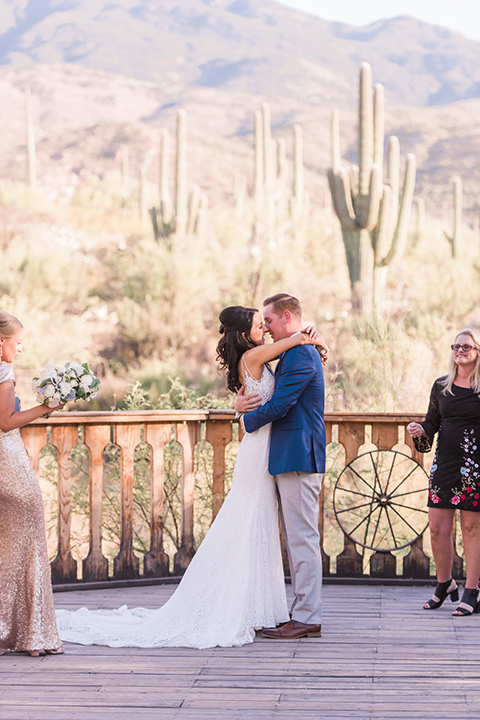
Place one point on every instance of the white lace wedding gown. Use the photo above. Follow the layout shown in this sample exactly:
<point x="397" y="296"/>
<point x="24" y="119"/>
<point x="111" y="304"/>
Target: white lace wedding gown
<point x="235" y="581"/>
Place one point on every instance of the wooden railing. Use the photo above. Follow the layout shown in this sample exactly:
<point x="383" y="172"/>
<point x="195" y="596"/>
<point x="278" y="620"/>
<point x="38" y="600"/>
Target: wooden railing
<point x="128" y="429"/>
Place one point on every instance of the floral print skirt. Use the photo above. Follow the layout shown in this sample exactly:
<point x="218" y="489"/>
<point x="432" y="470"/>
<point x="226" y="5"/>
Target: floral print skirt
<point x="455" y="472"/>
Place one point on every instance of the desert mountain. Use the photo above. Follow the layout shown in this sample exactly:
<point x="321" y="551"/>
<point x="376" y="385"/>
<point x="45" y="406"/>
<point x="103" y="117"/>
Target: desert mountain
<point x="104" y="74"/>
<point x="254" y="46"/>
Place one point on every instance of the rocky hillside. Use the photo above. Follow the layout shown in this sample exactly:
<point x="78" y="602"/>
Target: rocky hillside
<point x="254" y="46"/>
<point x="103" y="74"/>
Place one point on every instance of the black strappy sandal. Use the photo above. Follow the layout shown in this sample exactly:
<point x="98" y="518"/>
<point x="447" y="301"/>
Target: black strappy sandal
<point x="442" y="591"/>
<point x="471" y="602"/>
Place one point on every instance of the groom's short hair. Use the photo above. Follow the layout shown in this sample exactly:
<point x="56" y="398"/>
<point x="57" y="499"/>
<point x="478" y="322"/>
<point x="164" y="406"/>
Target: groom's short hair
<point x="282" y="302"/>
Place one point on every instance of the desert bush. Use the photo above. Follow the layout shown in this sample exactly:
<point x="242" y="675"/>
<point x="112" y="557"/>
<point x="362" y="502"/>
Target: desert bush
<point x="143" y="310"/>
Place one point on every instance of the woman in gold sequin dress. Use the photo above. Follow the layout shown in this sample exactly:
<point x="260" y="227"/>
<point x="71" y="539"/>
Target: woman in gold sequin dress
<point x="27" y="614"/>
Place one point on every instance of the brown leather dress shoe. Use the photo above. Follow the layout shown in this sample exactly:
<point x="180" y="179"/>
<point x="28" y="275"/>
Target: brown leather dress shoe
<point x="293" y="630"/>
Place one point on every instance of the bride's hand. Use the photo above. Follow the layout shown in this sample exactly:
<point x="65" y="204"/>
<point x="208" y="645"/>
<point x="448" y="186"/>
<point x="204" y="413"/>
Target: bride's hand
<point x="311" y="337"/>
<point x="311" y="331"/>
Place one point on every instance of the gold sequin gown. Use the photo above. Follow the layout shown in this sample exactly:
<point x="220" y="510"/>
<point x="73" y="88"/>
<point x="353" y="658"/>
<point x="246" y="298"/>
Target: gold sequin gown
<point x="27" y="614"/>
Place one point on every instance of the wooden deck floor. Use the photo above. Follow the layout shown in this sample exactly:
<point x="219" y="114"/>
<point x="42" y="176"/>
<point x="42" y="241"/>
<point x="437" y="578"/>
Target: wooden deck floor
<point x="380" y="656"/>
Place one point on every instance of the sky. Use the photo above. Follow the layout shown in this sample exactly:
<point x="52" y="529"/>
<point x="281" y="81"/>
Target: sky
<point x="460" y="15"/>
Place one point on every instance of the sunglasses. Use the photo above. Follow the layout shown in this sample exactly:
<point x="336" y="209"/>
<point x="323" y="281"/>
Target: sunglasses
<point x="464" y="348"/>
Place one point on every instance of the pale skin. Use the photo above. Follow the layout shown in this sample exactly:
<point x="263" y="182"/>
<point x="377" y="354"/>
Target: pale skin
<point x="282" y="329"/>
<point x="441" y="520"/>
<point x="9" y="419"/>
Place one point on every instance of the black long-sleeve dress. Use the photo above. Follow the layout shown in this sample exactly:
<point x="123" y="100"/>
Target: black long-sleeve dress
<point x="455" y="472"/>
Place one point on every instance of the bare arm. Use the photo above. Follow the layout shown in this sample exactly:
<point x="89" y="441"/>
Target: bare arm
<point x="9" y="419"/>
<point x="256" y="357"/>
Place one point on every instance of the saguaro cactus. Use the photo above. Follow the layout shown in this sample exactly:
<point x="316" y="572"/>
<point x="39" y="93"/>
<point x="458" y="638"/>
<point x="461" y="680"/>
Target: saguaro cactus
<point x="455" y="238"/>
<point x="187" y="214"/>
<point x="373" y="218"/>
<point x="420" y="227"/>
<point x="181" y="196"/>
<point x="276" y="206"/>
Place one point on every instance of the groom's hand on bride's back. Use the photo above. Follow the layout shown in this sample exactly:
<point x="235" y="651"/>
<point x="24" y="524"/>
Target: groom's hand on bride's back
<point x="246" y="402"/>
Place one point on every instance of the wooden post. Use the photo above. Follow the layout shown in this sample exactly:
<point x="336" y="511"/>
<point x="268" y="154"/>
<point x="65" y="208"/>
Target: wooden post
<point x="64" y="567"/>
<point x="156" y="563"/>
<point x="321" y="510"/>
<point x="126" y="564"/>
<point x="218" y="434"/>
<point x="383" y="565"/>
<point x="416" y="564"/>
<point x="95" y="565"/>
<point x="187" y="434"/>
<point x="34" y="438"/>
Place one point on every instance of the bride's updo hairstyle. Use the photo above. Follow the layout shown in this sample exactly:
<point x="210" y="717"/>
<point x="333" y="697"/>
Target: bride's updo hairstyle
<point x="235" y="327"/>
<point x="9" y="325"/>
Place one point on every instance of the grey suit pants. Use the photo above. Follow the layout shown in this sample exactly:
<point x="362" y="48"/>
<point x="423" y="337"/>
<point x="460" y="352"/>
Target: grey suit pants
<point x="297" y="494"/>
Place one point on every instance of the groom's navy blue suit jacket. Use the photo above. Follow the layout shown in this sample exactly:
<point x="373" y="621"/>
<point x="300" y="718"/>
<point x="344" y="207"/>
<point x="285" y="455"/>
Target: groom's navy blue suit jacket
<point x="296" y="413"/>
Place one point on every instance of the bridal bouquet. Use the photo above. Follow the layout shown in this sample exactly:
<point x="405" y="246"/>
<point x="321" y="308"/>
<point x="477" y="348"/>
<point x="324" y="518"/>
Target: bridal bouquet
<point x="59" y="384"/>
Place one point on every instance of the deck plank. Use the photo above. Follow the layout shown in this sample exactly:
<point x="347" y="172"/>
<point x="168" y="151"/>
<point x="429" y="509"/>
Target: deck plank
<point x="381" y="656"/>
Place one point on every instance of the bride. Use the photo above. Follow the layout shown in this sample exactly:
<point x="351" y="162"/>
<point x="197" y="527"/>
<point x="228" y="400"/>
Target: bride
<point x="234" y="584"/>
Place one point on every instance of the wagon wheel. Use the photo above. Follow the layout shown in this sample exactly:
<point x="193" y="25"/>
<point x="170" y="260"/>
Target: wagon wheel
<point x="380" y="500"/>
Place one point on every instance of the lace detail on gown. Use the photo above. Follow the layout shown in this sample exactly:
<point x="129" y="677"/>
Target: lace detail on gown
<point x="235" y="581"/>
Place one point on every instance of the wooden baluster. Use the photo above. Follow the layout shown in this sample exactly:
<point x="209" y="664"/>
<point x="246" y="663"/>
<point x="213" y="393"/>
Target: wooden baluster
<point x="95" y="565"/>
<point x="383" y="564"/>
<point x="187" y="434"/>
<point x="321" y="509"/>
<point x="64" y="567"/>
<point x="219" y="434"/>
<point x="126" y="564"/>
<point x="156" y="561"/>
<point x="34" y="438"/>
<point x="384" y="436"/>
<point x="351" y="435"/>
<point x="417" y="563"/>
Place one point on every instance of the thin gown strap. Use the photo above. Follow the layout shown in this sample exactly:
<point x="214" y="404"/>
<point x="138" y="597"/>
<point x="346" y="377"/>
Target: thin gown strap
<point x="246" y="371"/>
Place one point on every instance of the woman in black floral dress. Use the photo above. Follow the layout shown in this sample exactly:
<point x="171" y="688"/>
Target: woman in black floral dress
<point x="454" y="412"/>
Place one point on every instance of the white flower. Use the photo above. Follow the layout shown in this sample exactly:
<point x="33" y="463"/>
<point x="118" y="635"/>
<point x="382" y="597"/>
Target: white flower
<point x="65" y="388"/>
<point x="54" y="400"/>
<point x="74" y="369"/>
<point x="51" y="371"/>
<point x="86" y="381"/>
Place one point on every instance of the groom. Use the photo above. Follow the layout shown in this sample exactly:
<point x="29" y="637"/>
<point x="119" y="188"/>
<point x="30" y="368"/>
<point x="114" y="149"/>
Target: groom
<point x="297" y="460"/>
